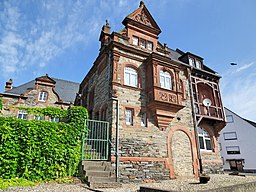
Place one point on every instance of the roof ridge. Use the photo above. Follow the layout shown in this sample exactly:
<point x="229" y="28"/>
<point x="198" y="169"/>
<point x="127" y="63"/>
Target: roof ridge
<point x="65" y="80"/>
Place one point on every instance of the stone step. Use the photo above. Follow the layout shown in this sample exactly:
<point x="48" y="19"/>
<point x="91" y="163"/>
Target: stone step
<point x="97" y="173"/>
<point x="97" y="185"/>
<point x="96" y="163"/>
<point x="101" y="179"/>
<point x="98" y="168"/>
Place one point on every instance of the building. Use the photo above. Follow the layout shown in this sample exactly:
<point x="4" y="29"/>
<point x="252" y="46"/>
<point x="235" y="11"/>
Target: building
<point x="237" y="143"/>
<point x="42" y="92"/>
<point x="147" y="91"/>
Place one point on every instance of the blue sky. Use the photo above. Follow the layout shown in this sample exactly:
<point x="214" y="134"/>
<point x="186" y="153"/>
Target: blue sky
<point x="61" y="38"/>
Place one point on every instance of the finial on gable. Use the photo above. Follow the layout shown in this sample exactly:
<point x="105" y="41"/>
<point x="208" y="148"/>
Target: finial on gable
<point x="142" y="3"/>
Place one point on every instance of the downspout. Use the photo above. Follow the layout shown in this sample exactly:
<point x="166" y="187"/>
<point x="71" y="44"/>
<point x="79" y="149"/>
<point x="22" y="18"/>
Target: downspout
<point x="117" y="138"/>
<point x="195" y="124"/>
<point x="117" y="117"/>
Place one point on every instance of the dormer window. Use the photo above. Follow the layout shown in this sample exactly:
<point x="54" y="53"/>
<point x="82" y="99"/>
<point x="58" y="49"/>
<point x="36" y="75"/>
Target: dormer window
<point x="191" y="62"/>
<point x="198" y="64"/>
<point x="150" y="45"/>
<point x="142" y="43"/>
<point x="194" y="62"/>
<point x="42" y="96"/>
<point x="135" y="40"/>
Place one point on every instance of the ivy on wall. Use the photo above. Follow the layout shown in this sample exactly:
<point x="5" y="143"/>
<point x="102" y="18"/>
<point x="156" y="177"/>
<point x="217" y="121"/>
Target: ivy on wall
<point x="41" y="150"/>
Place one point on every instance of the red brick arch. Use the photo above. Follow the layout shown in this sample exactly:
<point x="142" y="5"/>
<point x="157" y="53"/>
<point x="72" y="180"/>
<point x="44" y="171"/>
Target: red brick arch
<point x="191" y="137"/>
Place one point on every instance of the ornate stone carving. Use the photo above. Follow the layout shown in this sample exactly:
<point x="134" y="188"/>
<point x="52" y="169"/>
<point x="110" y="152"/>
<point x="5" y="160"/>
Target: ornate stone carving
<point x="142" y="18"/>
<point x="167" y="97"/>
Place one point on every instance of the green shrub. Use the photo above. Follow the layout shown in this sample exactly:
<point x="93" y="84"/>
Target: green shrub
<point x="5" y="183"/>
<point x="41" y="150"/>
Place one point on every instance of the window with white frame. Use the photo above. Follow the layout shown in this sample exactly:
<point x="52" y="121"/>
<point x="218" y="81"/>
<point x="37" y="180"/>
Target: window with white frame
<point x="22" y="114"/>
<point x="165" y="80"/>
<point x="150" y="45"/>
<point x="230" y="136"/>
<point x="143" y="119"/>
<point x="229" y="118"/>
<point x="42" y="96"/>
<point x="130" y="77"/>
<point x="142" y="43"/>
<point x="198" y="64"/>
<point x="135" y="40"/>
<point x="191" y="62"/>
<point x="129" y="116"/>
<point x="204" y="139"/>
<point x="233" y="150"/>
<point x="54" y="119"/>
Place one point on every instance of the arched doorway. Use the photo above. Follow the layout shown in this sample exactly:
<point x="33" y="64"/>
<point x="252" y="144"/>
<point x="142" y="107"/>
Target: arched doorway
<point x="182" y="153"/>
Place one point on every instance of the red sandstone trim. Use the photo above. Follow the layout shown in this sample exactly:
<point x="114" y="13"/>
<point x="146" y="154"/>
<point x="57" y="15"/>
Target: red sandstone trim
<point x="193" y="149"/>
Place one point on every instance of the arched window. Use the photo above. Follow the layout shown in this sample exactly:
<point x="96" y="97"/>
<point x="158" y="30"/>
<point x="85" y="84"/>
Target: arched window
<point x="204" y="139"/>
<point x="165" y="80"/>
<point x="130" y="77"/>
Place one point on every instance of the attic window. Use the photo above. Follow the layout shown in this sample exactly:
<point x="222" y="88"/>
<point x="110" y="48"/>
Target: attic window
<point x="145" y="44"/>
<point x="198" y="64"/>
<point x="191" y="62"/>
<point x="42" y="96"/>
<point x="142" y="43"/>
<point x="194" y="62"/>
<point x="150" y="45"/>
<point x="135" y="40"/>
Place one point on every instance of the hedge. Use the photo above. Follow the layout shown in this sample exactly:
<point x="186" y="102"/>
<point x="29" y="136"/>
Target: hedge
<point x="41" y="150"/>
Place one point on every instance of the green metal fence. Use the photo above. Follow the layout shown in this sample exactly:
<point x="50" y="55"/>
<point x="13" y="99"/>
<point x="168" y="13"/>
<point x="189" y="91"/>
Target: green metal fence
<point x="96" y="142"/>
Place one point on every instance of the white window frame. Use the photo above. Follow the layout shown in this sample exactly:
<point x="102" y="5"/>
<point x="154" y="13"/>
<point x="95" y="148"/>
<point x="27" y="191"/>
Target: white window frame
<point x="22" y="114"/>
<point x="198" y="64"/>
<point x="202" y="133"/>
<point x="135" y="40"/>
<point x="129" y="116"/>
<point x="230" y="136"/>
<point x="229" y="118"/>
<point x="149" y="45"/>
<point x="143" y="43"/>
<point x="191" y="61"/>
<point x="42" y="96"/>
<point x="143" y="119"/>
<point x="130" y="77"/>
<point x="165" y="80"/>
<point x="233" y="150"/>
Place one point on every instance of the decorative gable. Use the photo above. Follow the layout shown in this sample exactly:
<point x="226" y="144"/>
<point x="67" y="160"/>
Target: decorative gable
<point x="142" y="17"/>
<point x="45" y="80"/>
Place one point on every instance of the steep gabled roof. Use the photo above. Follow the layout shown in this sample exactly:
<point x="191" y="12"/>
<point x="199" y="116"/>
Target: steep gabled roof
<point x="248" y="121"/>
<point x="251" y="122"/>
<point x="142" y="16"/>
<point x="66" y="90"/>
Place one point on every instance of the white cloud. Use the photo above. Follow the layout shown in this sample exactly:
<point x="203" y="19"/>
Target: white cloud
<point x="244" y="67"/>
<point x="238" y="91"/>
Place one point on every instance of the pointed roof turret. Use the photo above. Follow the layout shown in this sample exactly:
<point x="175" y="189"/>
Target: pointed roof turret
<point x="141" y="17"/>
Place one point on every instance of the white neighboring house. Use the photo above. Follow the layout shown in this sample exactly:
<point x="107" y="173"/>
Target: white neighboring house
<point x="238" y="143"/>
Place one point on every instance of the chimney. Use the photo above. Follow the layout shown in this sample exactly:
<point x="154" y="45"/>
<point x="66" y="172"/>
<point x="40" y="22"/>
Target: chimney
<point x="8" y="85"/>
<point x="105" y="33"/>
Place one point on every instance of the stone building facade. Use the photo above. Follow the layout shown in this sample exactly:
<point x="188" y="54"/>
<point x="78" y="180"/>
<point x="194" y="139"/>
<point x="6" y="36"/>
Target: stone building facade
<point x="42" y="92"/>
<point x="164" y="105"/>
